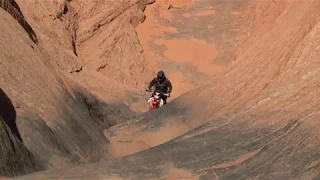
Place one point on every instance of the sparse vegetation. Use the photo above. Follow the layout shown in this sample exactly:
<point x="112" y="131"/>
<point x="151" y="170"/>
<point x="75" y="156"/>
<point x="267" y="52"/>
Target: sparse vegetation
<point x="62" y="10"/>
<point x="59" y="15"/>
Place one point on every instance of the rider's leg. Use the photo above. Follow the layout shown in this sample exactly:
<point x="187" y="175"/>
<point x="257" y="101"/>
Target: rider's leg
<point x="161" y="103"/>
<point x="164" y="99"/>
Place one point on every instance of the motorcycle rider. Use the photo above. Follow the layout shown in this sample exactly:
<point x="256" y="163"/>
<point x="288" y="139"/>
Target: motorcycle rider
<point x="162" y="85"/>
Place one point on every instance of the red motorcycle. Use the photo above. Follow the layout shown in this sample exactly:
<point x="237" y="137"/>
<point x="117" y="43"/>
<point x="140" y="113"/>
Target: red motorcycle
<point x="156" y="100"/>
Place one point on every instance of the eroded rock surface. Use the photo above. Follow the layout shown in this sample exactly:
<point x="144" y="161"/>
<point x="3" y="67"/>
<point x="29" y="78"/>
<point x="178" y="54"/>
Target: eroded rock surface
<point x="61" y="106"/>
<point x="51" y="114"/>
<point x="106" y="40"/>
<point x="257" y="119"/>
<point x="15" y="158"/>
<point x="13" y="9"/>
<point x="193" y="40"/>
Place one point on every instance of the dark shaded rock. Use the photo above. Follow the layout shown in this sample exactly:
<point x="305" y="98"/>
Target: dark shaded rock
<point x="15" y="159"/>
<point x="104" y="114"/>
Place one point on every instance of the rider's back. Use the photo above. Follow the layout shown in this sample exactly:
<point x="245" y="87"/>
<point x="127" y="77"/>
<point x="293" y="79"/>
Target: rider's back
<point x="161" y="87"/>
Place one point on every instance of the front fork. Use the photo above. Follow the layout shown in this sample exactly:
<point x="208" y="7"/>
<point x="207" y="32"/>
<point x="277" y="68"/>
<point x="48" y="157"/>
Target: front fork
<point x="154" y="105"/>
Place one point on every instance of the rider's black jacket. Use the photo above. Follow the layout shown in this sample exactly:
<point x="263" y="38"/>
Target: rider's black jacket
<point x="164" y="87"/>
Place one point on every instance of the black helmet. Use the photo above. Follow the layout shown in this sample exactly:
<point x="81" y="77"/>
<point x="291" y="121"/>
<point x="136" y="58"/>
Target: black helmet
<point x="160" y="76"/>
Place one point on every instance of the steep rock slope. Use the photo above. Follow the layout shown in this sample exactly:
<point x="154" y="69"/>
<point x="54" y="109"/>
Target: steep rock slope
<point x="193" y="40"/>
<point x="261" y="113"/>
<point x="75" y="37"/>
<point x="15" y="158"/>
<point x="57" y="121"/>
<point x="13" y="9"/>
<point x="52" y="118"/>
<point x="106" y="40"/>
<point x="54" y="39"/>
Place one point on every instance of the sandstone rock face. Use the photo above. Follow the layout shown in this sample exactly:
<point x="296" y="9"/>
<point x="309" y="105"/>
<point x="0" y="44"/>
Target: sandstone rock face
<point x="192" y="41"/>
<point x="92" y="37"/>
<point x="106" y="41"/>
<point x="51" y="115"/>
<point x="13" y="9"/>
<point x="257" y="119"/>
<point x="60" y="105"/>
<point x="15" y="158"/>
<point x="54" y="38"/>
<point x="74" y="37"/>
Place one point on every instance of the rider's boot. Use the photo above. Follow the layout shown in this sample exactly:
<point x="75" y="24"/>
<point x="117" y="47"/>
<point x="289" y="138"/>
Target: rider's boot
<point x="164" y="101"/>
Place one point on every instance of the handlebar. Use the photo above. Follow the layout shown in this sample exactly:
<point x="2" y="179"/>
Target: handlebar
<point x="164" y="94"/>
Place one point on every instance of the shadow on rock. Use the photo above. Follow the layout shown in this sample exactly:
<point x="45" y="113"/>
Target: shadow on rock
<point x="15" y="158"/>
<point x="104" y="114"/>
<point x="8" y="113"/>
<point x="14" y="10"/>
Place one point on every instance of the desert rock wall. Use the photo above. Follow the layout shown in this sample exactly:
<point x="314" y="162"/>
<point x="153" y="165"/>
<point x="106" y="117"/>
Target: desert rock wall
<point x="58" y="120"/>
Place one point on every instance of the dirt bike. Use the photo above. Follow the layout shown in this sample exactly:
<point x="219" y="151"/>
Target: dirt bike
<point x="156" y="100"/>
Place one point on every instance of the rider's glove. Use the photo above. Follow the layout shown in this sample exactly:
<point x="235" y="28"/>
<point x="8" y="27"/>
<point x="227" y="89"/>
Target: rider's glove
<point x="168" y="94"/>
<point x="148" y="89"/>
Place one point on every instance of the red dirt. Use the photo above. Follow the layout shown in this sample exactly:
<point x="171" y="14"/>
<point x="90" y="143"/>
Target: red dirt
<point x="175" y="174"/>
<point x="245" y="103"/>
<point x="193" y="51"/>
<point x="175" y="51"/>
<point x="206" y="13"/>
<point x="131" y="140"/>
